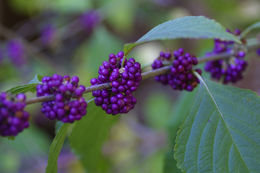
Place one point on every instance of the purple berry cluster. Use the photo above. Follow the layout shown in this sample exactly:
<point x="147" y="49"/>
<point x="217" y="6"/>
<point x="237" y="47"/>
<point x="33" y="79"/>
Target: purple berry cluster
<point x="181" y="76"/>
<point x="124" y="81"/>
<point x="230" y="70"/>
<point x="13" y="118"/>
<point x="69" y="104"/>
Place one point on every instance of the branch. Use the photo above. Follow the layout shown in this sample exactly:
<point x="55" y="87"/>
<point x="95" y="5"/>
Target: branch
<point x="152" y="73"/>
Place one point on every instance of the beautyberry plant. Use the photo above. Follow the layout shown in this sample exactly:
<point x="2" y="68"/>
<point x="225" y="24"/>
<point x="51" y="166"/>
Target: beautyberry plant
<point x="219" y="114"/>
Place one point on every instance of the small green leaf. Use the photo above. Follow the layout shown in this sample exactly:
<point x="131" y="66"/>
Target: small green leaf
<point x="36" y="80"/>
<point x="185" y="27"/>
<point x="221" y="132"/>
<point x="88" y="137"/>
<point x="249" y="29"/>
<point x="55" y="149"/>
<point x="23" y="89"/>
<point x="30" y="87"/>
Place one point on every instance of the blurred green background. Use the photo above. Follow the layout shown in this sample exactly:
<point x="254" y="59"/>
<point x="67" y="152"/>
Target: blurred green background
<point x="142" y="140"/>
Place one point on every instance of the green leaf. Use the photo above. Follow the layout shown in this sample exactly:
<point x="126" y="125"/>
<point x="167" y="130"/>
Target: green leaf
<point x="23" y="89"/>
<point x="221" y="132"/>
<point x="55" y="149"/>
<point x="250" y="28"/>
<point x="88" y="137"/>
<point x="36" y="80"/>
<point x="178" y="115"/>
<point x="30" y="87"/>
<point x="185" y="27"/>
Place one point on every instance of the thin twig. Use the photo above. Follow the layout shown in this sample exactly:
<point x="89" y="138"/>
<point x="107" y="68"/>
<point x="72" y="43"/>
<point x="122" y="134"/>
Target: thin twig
<point x="148" y="74"/>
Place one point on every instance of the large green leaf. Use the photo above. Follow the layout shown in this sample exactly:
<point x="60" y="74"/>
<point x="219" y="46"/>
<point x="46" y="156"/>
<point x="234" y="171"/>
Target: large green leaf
<point x="88" y="137"/>
<point x="250" y="28"/>
<point x="185" y="27"/>
<point x="55" y="148"/>
<point x="221" y="133"/>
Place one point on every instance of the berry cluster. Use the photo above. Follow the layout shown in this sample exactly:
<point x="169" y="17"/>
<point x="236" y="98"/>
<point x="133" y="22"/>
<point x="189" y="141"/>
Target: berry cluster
<point x="181" y="76"/>
<point x="69" y="104"/>
<point x="124" y="81"/>
<point x="13" y="118"/>
<point x="226" y="70"/>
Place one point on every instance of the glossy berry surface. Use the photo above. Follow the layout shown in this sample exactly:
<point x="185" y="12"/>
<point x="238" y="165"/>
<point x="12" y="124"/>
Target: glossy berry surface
<point x="13" y="118"/>
<point x="124" y="81"/>
<point x="69" y="104"/>
<point x="181" y="75"/>
<point x="228" y="70"/>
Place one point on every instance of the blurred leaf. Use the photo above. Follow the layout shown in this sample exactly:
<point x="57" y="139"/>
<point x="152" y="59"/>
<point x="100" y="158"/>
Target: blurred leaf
<point x="29" y="6"/>
<point x="151" y="164"/>
<point x="88" y="137"/>
<point x="170" y="164"/>
<point x="155" y="105"/>
<point x="90" y="55"/>
<point x="32" y="6"/>
<point x="221" y="133"/>
<point x="55" y="149"/>
<point x="250" y="28"/>
<point x="71" y="6"/>
<point x="32" y="142"/>
<point x="122" y="19"/>
<point x="185" y="27"/>
<point x="178" y="115"/>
